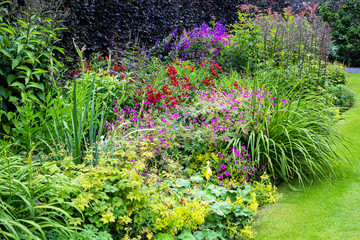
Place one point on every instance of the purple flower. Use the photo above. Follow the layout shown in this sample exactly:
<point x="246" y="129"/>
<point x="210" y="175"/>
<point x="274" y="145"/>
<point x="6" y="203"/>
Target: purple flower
<point x="220" y="176"/>
<point x="227" y="173"/>
<point x="151" y="138"/>
<point x="223" y="167"/>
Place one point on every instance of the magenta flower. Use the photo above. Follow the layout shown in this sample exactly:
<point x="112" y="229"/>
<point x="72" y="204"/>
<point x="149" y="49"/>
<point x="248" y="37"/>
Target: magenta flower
<point x="227" y="173"/>
<point x="220" y="176"/>
<point x="223" y="166"/>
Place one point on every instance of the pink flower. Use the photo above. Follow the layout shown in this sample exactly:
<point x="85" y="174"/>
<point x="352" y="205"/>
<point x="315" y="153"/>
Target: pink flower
<point x="220" y="176"/>
<point x="227" y="173"/>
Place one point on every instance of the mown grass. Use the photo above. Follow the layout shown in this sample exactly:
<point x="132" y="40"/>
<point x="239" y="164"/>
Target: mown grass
<point x="326" y="210"/>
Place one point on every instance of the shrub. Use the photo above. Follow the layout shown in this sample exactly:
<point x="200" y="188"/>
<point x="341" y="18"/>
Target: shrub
<point x="342" y="96"/>
<point x="343" y="17"/>
<point x="335" y="74"/>
<point x="25" y="59"/>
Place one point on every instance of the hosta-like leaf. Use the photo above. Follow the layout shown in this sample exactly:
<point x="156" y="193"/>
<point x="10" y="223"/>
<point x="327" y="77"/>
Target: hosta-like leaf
<point x="221" y="208"/>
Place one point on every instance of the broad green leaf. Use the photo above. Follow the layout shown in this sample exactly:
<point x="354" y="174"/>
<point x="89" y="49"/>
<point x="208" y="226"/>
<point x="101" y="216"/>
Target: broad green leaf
<point x="15" y="62"/>
<point x="10" y="78"/>
<point x="221" y="208"/>
<point x="163" y="236"/>
<point x="10" y="115"/>
<point x="207" y="234"/>
<point x="186" y="235"/>
<point x="6" y="128"/>
<point x="13" y="99"/>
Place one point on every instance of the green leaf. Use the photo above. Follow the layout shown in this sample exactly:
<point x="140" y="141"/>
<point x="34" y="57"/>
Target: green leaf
<point x="182" y="183"/>
<point x="59" y="49"/>
<point x="10" y="115"/>
<point x="33" y="84"/>
<point x="6" y="53"/>
<point x="186" y="235"/>
<point x="163" y="236"/>
<point x="15" y="62"/>
<point x="10" y="78"/>
<point x="206" y="234"/>
<point x="19" y="85"/>
<point x="13" y="99"/>
<point x="6" y="128"/>
<point x="31" y="55"/>
<point x="20" y="48"/>
<point x="9" y="30"/>
<point x="4" y="92"/>
<point x="221" y="208"/>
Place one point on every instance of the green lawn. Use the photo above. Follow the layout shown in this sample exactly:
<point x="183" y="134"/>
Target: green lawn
<point x="327" y="210"/>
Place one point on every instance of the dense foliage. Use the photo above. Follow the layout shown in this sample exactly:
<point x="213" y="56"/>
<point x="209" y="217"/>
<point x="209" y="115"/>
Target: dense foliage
<point x="184" y="140"/>
<point x="343" y="17"/>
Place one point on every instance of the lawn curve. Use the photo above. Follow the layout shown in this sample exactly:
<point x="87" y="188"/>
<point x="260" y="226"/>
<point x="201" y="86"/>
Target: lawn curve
<point x="326" y="210"/>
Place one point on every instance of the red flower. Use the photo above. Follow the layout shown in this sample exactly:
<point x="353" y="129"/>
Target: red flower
<point x="207" y="80"/>
<point x="122" y="75"/>
<point x="213" y="72"/>
<point x="116" y="68"/>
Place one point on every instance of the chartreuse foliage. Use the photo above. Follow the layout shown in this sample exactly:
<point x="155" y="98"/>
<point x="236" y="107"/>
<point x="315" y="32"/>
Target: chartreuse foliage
<point x="116" y="198"/>
<point x="25" y="209"/>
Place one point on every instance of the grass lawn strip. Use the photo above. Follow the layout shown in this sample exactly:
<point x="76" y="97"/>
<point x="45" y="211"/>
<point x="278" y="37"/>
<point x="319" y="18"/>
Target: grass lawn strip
<point x="326" y="210"/>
